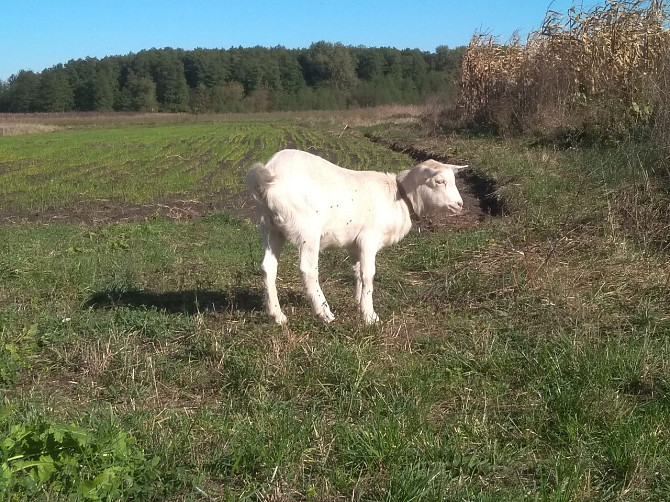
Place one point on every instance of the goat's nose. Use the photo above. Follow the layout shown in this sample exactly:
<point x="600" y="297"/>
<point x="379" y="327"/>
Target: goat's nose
<point x="459" y="205"/>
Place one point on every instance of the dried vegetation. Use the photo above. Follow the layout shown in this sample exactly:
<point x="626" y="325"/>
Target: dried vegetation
<point x="600" y="72"/>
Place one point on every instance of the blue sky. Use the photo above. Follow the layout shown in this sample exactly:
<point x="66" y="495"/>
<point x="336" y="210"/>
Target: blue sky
<point x="39" y="34"/>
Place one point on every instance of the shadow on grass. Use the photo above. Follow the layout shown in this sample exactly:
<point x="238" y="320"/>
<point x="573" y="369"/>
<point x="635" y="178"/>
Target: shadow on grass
<point x="179" y="302"/>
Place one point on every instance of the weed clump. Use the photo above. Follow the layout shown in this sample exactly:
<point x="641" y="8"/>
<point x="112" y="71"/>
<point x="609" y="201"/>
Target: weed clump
<point x="53" y="458"/>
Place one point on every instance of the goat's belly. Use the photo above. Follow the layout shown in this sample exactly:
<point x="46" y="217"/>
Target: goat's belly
<point x="332" y="241"/>
<point x="337" y="239"/>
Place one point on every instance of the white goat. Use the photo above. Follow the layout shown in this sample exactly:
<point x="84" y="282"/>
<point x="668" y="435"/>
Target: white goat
<point x="317" y="205"/>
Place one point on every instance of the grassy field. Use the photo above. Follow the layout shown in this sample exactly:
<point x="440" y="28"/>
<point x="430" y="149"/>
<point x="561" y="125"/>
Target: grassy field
<point x="520" y="357"/>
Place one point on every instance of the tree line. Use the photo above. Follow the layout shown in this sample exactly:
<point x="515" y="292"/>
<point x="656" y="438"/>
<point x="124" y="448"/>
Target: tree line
<point x="323" y="76"/>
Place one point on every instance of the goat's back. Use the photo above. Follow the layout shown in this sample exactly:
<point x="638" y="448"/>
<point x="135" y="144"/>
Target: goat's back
<point x="315" y="183"/>
<point x="288" y="164"/>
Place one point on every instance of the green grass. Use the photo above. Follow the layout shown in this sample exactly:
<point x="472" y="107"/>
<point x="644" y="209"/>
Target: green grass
<point x="138" y="165"/>
<point x="524" y="358"/>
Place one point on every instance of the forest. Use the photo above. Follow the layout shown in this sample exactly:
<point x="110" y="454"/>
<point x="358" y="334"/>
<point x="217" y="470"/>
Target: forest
<point x="256" y="79"/>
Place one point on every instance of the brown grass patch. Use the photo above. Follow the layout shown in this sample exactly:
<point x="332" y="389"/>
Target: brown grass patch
<point x="13" y="123"/>
<point x="20" y="128"/>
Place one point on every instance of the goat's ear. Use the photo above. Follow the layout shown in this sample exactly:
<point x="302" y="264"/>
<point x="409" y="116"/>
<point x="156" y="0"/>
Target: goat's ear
<point x="457" y="168"/>
<point x="402" y="174"/>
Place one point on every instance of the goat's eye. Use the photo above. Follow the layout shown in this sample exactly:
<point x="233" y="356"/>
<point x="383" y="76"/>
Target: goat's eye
<point x="440" y="181"/>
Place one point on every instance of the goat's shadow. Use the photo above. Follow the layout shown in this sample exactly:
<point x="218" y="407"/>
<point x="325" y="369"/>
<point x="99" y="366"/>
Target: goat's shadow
<point x="179" y="302"/>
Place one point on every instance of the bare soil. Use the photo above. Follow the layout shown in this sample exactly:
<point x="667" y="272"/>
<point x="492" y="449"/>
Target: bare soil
<point x="100" y="213"/>
<point x="471" y="215"/>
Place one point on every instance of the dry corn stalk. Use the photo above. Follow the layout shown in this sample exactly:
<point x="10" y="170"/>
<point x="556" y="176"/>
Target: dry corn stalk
<point x="606" y="53"/>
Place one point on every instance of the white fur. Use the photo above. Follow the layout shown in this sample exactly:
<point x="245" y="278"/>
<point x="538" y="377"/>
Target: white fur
<point x="315" y="205"/>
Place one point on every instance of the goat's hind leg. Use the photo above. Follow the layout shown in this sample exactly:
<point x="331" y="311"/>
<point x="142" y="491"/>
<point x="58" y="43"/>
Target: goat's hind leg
<point x="273" y="240"/>
<point x="309" y="272"/>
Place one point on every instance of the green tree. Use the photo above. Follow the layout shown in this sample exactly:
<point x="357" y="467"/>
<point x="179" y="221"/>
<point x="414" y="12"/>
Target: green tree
<point x="332" y="65"/>
<point x="81" y="74"/>
<point x="247" y="69"/>
<point x="370" y="64"/>
<point x="290" y="71"/>
<point x="106" y="85"/>
<point x="165" y="68"/>
<point x="208" y="68"/>
<point x="325" y="76"/>
<point x="140" y="93"/>
<point x="22" y="91"/>
<point x="448" y="60"/>
<point x="414" y="65"/>
<point x="392" y="62"/>
<point x="227" y="98"/>
<point x="260" y="99"/>
<point x="55" y="93"/>
<point x="200" y="99"/>
<point x="4" y="96"/>
<point x="171" y="86"/>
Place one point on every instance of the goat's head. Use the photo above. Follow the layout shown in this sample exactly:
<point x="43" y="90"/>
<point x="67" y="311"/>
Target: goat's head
<point x="432" y="186"/>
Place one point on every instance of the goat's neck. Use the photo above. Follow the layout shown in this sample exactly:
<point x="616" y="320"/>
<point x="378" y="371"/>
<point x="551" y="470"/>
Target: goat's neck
<point x="407" y="203"/>
<point x="406" y="209"/>
<point x="399" y="224"/>
<point x="407" y="193"/>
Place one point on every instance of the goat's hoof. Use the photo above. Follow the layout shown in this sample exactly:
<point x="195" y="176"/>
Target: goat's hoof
<point x="370" y="318"/>
<point x="279" y="318"/>
<point x="327" y="317"/>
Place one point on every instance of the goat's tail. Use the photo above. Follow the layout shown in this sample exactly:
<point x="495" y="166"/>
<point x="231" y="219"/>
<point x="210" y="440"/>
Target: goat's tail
<point x="258" y="179"/>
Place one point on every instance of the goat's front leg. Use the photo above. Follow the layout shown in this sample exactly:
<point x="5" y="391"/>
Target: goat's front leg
<point x="355" y="260"/>
<point x="367" y="275"/>
<point x="309" y="272"/>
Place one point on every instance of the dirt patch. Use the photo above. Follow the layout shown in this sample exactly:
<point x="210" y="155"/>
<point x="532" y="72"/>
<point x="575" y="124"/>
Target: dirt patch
<point x="106" y="212"/>
<point x="9" y="166"/>
<point x="471" y="215"/>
